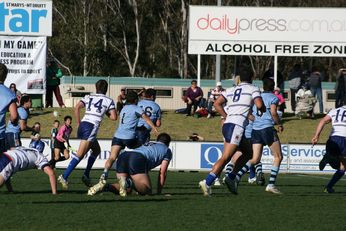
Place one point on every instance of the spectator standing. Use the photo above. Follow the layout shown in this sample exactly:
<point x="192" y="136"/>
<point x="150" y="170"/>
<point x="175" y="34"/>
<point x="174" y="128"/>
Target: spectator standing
<point x="340" y="88"/>
<point x="281" y="104"/>
<point x="214" y="94"/>
<point x="194" y="94"/>
<point x="53" y="76"/>
<point x="121" y="101"/>
<point x="18" y="94"/>
<point x="294" y="78"/>
<point x="315" y="83"/>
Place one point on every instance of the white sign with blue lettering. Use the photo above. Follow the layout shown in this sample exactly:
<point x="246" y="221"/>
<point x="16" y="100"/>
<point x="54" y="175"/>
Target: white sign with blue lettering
<point x="26" y="17"/>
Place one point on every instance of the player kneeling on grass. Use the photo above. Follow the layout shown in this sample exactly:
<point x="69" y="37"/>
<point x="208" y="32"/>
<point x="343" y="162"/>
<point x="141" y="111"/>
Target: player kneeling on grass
<point x="133" y="167"/>
<point x="336" y="144"/>
<point x="20" y="159"/>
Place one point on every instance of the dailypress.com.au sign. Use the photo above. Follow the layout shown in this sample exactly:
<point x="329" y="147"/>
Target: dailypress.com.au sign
<point x="267" y="31"/>
<point x="26" y="17"/>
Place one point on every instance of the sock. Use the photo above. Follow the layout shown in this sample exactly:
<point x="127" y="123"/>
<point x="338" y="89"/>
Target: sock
<point x="210" y="178"/>
<point x="91" y="161"/>
<point x="229" y="168"/>
<point x="252" y="172"/>
<point x="72" y="165"/>
<point x="243" y="171"/>
<point x="273" y="174"/>
<point x="231" y="176"/>
<point x="104" y="175"/>
<point x="336" y="177"/>
<point x="258" y="167"/>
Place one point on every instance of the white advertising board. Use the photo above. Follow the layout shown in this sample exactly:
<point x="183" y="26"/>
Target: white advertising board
<point x="201" y="156"/>
<point x="26" y="17"/>
<point x="267" y="31"/>
<point x="25" y="58"/>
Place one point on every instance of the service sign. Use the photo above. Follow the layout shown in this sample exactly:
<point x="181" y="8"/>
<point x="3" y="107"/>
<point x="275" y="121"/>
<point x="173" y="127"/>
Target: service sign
<point x="26" y="17"/>
<point x="267" y="31"/>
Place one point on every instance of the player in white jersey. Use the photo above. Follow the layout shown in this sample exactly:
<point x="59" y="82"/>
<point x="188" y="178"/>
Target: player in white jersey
<point x="336" y="144"/>
<point x="96" y="106"/>
<point x="239" y="100"/>
<point x="20" y="159"/>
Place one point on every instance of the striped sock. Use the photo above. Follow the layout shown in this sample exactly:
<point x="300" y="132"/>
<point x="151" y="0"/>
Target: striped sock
<point x="258" y="167"/>
<point x="229" y="168"/>
<point x="210" y="178"/>
<point x="273" y="174"/>
<point x="72" y="165"/>
<point x="336" y="177"/>
<point x="252" y="173"/>
<point x="243" y="171"/>
<point x="91" y="161"/>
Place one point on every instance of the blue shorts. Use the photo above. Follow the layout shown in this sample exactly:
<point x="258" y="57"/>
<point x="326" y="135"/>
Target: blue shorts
<point x="143" y="134"/>
<point x="12" y="140"/>
<point x="6" y="168"/>
<point x="130" y="143"/>
<point x="336" y="146"/>
<point x="265" y="136"/>
<point x="2" y="145"/>
<point x="87" y="131"/>
<point x="232" y="133"/>
<point x="131" y="163"/>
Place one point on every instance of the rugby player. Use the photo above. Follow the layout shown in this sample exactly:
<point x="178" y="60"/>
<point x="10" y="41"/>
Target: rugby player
<point x="124" y="136"/>
<point x="264" y="133"/>
<point x="153" y="111"/>
<point x="336" y="144"/>
<point x="20" y="159"/>
<point x="239" y="100"/>
<point x="96" y="106"/>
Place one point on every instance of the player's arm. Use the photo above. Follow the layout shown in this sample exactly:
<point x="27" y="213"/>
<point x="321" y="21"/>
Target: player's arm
<point x="162" y="176"/>
<point x="148" y="121"/>
<point x="49" y="171"/>
<point x="275" y="116"/>
<point x="112" y="114"/>
<point x="24" y="126"/>
<point x="77" y="110"/>
<point x="218" y="104"/>
<point x="13" y="113"/>
<point x="259" y="104"/>
<point x="325" y="120"/>
<point x="158" y="123"/>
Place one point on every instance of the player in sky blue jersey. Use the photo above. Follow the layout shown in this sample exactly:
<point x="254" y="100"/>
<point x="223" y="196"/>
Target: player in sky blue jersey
<point x="96" y="106"/>
<point x="153" y="111"/>
<point x="8" y="102"/>
<point x="13" y="131"/>
<point x="133" y="167"/>
<point x="264" y="133"/>
<point x="124" y="136"/>
<point x="336" y="144"/>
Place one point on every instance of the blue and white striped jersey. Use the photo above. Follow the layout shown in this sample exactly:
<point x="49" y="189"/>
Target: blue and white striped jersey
<point x="239" y="100"/>
<point x="96" y="106"/>
<point x="338" y="116"/>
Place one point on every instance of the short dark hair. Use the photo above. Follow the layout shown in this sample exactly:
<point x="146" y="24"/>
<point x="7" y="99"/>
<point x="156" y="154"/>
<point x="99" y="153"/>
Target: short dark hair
<point x="24" y="99"/>
<point x="193" y="81"/>
<point x="101" y="86"/>
<point x="37" y="123"/>
<point x="245" y="74"/>
<point x="268" y="84"/>
<point x="67" y="117"/>
<point x="150" y="92"/>
<point x="56" y="121"/>
<point x="131" y="97"/>
<point x="3" y="72"/>
<point x="164" y="138"/>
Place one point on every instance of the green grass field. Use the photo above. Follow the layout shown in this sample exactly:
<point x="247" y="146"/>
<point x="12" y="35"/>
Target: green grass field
<point x="303" y="206"/>
<point x="180" y="127"/>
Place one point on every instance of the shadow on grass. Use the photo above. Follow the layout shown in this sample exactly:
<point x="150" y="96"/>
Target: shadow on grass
<point x="117" y="200"/>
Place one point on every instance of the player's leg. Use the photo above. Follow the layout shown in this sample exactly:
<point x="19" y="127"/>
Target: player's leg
<point x="142" y="183"/>
<point x="95" y="151"/>
<point x="256" y="156"/>
<point x="260" y="180"/>
<point x="115" y="150"/>
<point x="275" y="148"/>
<point x="337" y="175"/>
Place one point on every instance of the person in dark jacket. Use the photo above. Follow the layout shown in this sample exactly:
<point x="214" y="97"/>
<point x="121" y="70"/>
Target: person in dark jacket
<point x="53" y="75"/>
<point x="193" y="95"/>
<point x="340" y="88"/>
<point x="315" y="83"/>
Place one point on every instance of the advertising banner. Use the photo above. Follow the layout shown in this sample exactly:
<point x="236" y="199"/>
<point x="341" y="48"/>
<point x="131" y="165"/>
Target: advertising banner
<point x="201" y="156"/>
<point x="26" y="17"/>
<point x="25" y="58"/>
<point x="267" y="31"/>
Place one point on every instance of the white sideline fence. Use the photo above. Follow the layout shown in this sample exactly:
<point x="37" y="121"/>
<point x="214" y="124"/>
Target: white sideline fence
<point x="200" y="156"/>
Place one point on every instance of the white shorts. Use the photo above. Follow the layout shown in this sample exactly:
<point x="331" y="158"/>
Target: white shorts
<point x="232" y="133"/>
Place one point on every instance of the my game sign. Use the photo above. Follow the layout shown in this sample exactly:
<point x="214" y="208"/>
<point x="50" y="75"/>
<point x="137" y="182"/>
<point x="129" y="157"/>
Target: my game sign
<point x="26" y="17"/>
<point x="267" y="31"/>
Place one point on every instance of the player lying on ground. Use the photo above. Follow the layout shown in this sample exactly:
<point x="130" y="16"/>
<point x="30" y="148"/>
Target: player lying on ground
<point x="133" y="167"/>
<point x="20" y="159"/>
<point x="336" y="144"/>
